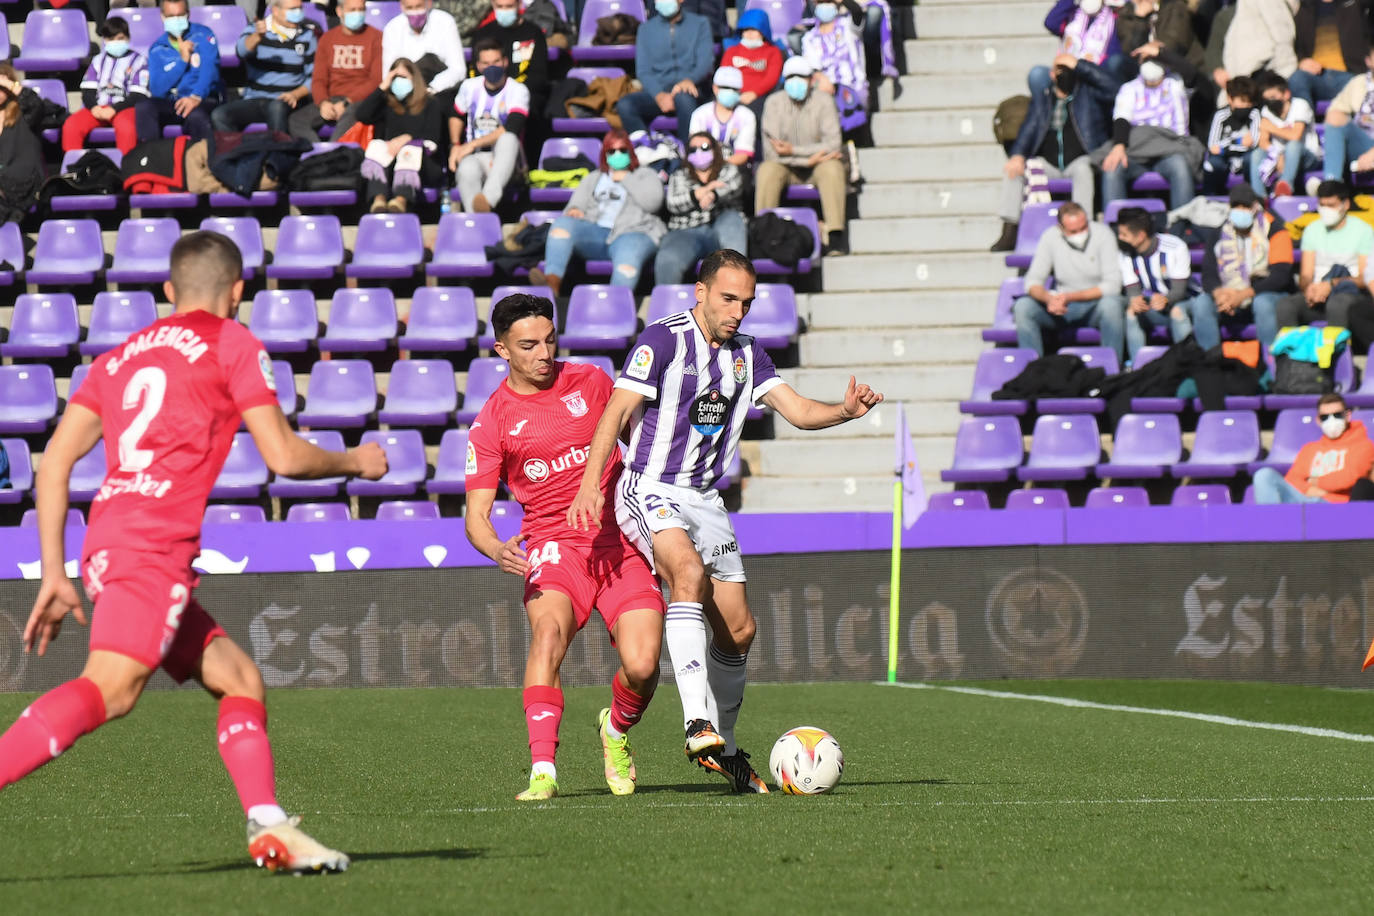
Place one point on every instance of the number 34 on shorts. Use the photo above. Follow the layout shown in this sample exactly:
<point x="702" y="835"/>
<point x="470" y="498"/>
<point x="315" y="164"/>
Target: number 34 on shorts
<point x="539" y="556"/>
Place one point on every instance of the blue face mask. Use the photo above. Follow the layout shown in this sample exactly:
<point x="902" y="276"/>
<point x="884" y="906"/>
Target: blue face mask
<point x="826" y="12"/>
<point x="495" y="75"/>
<point x="1242" y="219"/>
<point x="116" y="48"/>
<point x="296" y="16"/>
<point x="506" y="18"/>
<point x="402" y="88"/>
<point x="618" y="160"/>
<point x="667" y="8"/>
<point x="728" y="97"/>
<point x="176" y="25"/>
<point x="796" y="88"/>
<point x="355" y="20"/>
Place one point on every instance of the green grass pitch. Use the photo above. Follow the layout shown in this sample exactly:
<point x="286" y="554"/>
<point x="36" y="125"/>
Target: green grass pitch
<point x="950" y="803"/>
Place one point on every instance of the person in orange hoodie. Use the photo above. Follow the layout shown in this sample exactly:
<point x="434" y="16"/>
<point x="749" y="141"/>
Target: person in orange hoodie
<point x="1325" y="470"/>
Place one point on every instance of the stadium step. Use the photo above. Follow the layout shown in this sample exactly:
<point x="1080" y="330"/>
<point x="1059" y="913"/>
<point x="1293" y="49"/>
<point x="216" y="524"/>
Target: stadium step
<point x="862" y="457"/>
<point x="924" y="418"/>
<point x="927" y="92"/>
<point x="888" y="198"/>
<point x="918" y="383"/>
<point x="908" y="346"/>
<point x="968" y="54"/>
<point x="810" y="494"/>
<point x="919" y="128"/>
<point x="932" y="308"/>
<point x="962" y="19"/>
<point x="891" y="272"/>
<point x="955" y="162"/>
<point x="917" y="234"/>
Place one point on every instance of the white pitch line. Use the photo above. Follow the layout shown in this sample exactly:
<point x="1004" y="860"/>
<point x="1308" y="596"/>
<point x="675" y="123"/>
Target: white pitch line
<point x="1310" y="731"/>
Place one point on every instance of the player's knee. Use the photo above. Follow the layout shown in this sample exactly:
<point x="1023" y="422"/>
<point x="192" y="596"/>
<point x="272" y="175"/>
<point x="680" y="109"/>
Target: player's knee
<point x="120" y="698"/>
<point x="246" y="681"/>
<point x="741" y="634"/>
<point x="687" y="582"/>
<point x="641" y="672"/>
<point x="547" y="639"/>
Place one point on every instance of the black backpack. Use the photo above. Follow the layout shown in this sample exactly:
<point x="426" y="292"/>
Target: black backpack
<point x="93" y="173"/>
<point x="780" y="240"/>
<point x="339" y="169"/>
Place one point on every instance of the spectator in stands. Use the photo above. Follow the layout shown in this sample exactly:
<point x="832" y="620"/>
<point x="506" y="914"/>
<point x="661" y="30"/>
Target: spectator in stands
<point x="1084" y="261"/>
<point x="1066" y="121"/>
<point x="116" y="79"/>
<point x="1234" y="135"/>
<point x="278" y="54"/>
<point x="674" y="58"/>
<point x="757" y="57"/>
<point x="802" y="143"/>
<point x="1245" y="273"/>
<point x="1350" y="126"/>
<point x="1154" y="277"/>
<point x="732" y="125"/>
<point x="613" y="215"/>
<point x="1087" y="31"/>
<point x="1169" y="22"/>
<point x="348" y="65"/>
<point x="429" y="38"/>
<point x="410" y="130"/>
<point x="873" y="20"/>
<point x="834" y="50"/>
<point x="1335" y="255"/>
<point x="21" y="153"/>
<point x="1260" y="37"/>
<point x="713" y="11"/>
<point x="1333" y="469"/>
<point x="1332" y="40"/>
<point x="183" y="77"/>
<point x="526" y="47"/>
<point x="1288" y="144"/>
<point x="492" y="110"/>
<point x="1151" y="113"/>
<point x="705" y="211"/>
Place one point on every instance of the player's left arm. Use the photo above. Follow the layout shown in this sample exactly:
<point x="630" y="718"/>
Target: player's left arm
<point x="77" y="434"/>
<point x="804" y="413"/>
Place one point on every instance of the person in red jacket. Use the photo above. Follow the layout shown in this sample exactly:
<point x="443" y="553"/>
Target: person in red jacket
<point x="1327" y="470"/>
<point x="754" y="54"/>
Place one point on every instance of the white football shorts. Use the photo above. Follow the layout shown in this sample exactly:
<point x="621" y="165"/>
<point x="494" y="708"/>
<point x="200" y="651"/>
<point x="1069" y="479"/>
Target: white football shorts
<point x="644" y="507"/>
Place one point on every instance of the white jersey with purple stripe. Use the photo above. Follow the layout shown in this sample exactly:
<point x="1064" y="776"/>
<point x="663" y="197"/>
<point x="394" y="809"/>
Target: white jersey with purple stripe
<point x="735" y="134"/>
<point x="115" y="79"/>
<point x="697" y="397"/>
<point x="485" y="111"/>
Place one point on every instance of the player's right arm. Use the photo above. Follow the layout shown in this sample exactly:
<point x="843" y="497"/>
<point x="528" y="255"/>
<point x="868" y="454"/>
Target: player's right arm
<point x="289" y="455"/>
<point x="477" y="524"/>
<point x="587" y="505"/>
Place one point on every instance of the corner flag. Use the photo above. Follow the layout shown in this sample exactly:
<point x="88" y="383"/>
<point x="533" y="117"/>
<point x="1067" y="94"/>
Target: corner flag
<point x="909" y="470"/>
<point x="908" y="502"/>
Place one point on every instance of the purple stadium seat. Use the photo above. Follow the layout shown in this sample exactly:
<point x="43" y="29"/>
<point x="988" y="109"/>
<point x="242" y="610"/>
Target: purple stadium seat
<point x="75" y="517"/>
<point x="1144" y="445"/>
<point x="143" y="250"/>
<point x="1093" y="357"/>
<point x="360" y="321"/>
<point x="292" y="488"/>
<point x="1036" y="220"/>
<point x="11" y="253"/>
<point x="507" y="508"/>
<point x="87" y="203"/>
<point x="596" y="126"/>
<point x="315" y="14"/>
<point x="1144" y="356"/>
<point x="5" y="48"/>
<point x="564" y="148"/>
<point x="1037" y="499"/>
<point x="669" y="299"/>
<point x="1293" y="428"/>
<point x="227" y="21"/>
<point x="782" y="14"/>
<point x="450" y="467"/>
<point x="308" y="248"/>
<point x="44" y="325"/>
<point x="407" y="511"/>
<point x="1364" y="395"/>
<point x="246" y="233"/>
<point x="1290" y="208"/>
<point x="802" y="216"/>
<point x="772" y="319"/>
<point x="1226" y="441"/>
<point x="994" y="369"/>
<point x="1150" y="181"/>
<point x="406" y="468"/>
<point x="1149" y="204"/>
<point x="233" y="515"/>
<point x="286" y="386"/>
<point x="318" y="512"/>
<point x="604" y="363"/>
<point x="145" y="27"/>
<point x="114" y="316"/>
<point x="380" y="12"/>
<point x="389" y="246"/>
<point x="986" y="450"/>
<point x="88" y="474"/>
<point x="342" y="394"/>
<point x="1213" y="494"/>
<point x="1063" y="447"/>
<point x="1003" y="330"/>
<point x="540" y="217"/>
<point x="55" y="91"/>
<point x="285" y="320"/>
<point x="1343" y="373"/>
<point x="244" y="473"/>
<point x="591" y="12"/>
<point x="484" y="374"/>
<point x="441" y="319"/>
<point x="963" y="499"/>
<point x="600" y="318"/>
<point x="79" y="373"/>
<point x="1148" y="354"/>
<point x="21" y="472"/>
<point x="421" y="392"/>
<point x="460" y="245"/>
<point x="488" y="338"/>
<point x="69" y="252"/>
<point x="54" y="41"/>
<point x="1112" y="497"/>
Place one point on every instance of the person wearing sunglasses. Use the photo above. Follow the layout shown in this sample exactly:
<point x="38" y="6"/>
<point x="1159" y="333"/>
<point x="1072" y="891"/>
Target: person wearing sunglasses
<point x="1334" y="468"/>
<point x="613" y="215"/>
<point x="705" y="211"/>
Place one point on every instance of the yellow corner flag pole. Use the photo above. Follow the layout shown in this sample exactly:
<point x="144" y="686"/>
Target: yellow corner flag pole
<point x="894" y="599"/>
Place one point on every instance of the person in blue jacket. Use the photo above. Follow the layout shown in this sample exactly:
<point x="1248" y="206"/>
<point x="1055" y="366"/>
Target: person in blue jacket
<point x="674" y="60"/>
<point x="183" y="77"/>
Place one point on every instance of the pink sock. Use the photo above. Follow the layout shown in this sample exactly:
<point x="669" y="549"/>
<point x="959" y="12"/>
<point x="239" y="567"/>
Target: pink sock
<point x="543" y="714"/>
<point x="245" y="750"/>
<point x="48" y="727"/>
<point x="626" y="705"/>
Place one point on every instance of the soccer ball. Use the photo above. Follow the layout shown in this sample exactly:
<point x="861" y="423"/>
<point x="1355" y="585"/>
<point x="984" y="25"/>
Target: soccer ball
<point x="806" y="761"/>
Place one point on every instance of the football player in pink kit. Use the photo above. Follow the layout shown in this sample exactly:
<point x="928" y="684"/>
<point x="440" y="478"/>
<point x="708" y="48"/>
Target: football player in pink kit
<point x="167" y="403"/>
<point x="533" y="434"/>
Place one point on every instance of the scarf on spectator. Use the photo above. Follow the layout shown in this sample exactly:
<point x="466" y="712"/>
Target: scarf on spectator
<point x="1240" y="258"/>
<point x="1037" y="182"/>
<point x="1086" y="37"/>
<point x="839" y="55"/>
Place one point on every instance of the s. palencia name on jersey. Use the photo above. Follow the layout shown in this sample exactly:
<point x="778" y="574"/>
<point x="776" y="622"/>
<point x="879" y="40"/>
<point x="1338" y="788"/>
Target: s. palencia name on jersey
<point x="186" y="342"/>
<point x="537" y="469"/>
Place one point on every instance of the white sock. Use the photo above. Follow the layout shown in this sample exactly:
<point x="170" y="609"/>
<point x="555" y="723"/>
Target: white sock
<point x="685" y="630"/>
<point x="612" y="731"/>
<point x="546" y="769"/>
<point x="726" y="672"/>
<point x="267" y="815"/>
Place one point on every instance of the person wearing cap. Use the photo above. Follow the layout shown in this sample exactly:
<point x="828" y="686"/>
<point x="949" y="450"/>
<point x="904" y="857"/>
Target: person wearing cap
<point x="1157" y="100"/>
<point x="801" y="144"/>
<point x="732" y="124"/>
<point x="1245" y="274"/>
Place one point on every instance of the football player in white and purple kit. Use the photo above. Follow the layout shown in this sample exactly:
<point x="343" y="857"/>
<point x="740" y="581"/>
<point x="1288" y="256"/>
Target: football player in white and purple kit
<point x="491" y="111"/>
<point x="685" y="390"/>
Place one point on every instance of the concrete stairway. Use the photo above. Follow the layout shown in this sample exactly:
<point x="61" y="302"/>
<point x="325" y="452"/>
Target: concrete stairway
<point x="904" y="311"/>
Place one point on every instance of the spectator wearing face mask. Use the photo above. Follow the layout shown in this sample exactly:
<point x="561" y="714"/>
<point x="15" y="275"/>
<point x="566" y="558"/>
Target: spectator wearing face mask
<point x="348" y="66"/>
<point x="526" y="48"/>
<point x="278" y="54"/>
<point x="757" y="57"/>
<point x="1350" y="126"/>
<point x="492" y="110"/>
<point x="183" y="77"/>
<point x="115" y="81"/>
<point x="834" y="49"/>
<point x="1154" y="276"/>
<point x="410" y="128"/>
<point x="673" y="60"/>
<point x="1153" y="105"/>
<point x="1233" y="137"/>
<point x="724" y="118"/>
<point x="1335" y="255"/>
<point x="705" y="211"/>
<point x="1288" y="145"/>
<point x="430" y="38"/>
<point x="1333" y="469"/>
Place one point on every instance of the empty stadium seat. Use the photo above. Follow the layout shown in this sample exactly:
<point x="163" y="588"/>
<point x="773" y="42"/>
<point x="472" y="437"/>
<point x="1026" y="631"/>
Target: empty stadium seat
<point x="1226" y="441"/>
<point x="484" y="374"/>
<point x="244" y="473"/>
<point x="380" y="12"/>
<point x="1116" y="497"/>
<point x="564" y="148"/>
<point x="986" y="450"/>
<point x="604" y="363"/>
<point x="75" y="517"/>
<point x="450" y="467"/>
<point x="285" y="380"/>
<point x="1290" y="208"/>
<point x="406" y="467"/>
<point x="669" y="299"/>
<point x="285" y="320"/>
<point x="1063" y="447"/>
<point x="21" y="472"/>
<point x="55" y="41"/>
<point x="79" y="373"/>
<point x="1293" y="428"/>
<point x="1214" y="494"/>
<point x="389" y="247"/>
<point x="782" y="14"/>
<point x="324" y="488"/>
<point x="342" y="394"/>
<point x="488" y="338"/>
<point x="600" y="318"/>
<point x="1144" y="445"/>
<point x="421" y="392"/>
<point x="233" y="515"/>
<point x="994" y="369"/>
<point x="1036" y="220"/>
<point x="308" y="248"/>
<point x="1003" y="330"/>
<point x="145" y="27"/>
<point x="247" y="235"/>
<point x="28" y="398"/>
<point x="407" y="511"/>
<point x="11" y="253"/>
<point x="460" y="245"/>
<point x="802" y="216"/>
<point x="143" y="250"/>
<point x="318" y="512"/>
<point x="441" y="319"/>
<point x="773" y="318"/>
<point x="963" y="499"/>
<point x="1037" y="499"/>
<point x="44" y="325"/>
<point x="69" y="252"/>
<point x="88" y="474"/>
<point x="228" y="22"/>
<point x="114" y="316"/>
<point x="360" y="321"/>
<point x="593" y="10"/>
<point x="51" y="90"/>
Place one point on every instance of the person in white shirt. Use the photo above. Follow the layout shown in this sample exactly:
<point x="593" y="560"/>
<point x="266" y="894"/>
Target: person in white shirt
<point x="491" y="111"/>
<point x="421" y="32"/>
<point x="732" y="124"/>
<point x="1288" y="146"/>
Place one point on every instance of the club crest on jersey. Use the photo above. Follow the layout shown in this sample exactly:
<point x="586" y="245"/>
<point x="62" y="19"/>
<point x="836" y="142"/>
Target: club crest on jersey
<point x="740" y="373"/>
<point x="265" y="364"/>
<point x="536" y="469"/>
<point x="577" y="405"/>
<point x="640" y="363"/>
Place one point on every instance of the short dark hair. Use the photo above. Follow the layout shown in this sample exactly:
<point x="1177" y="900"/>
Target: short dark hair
<point x="721" y="258"/>
<point x="488" y="44"/>
<point x="1242" y="86"/>
<point x="516" y="307"/>
<point x="203" y="265"/>
<point x="1067" y="209"/>
<point x="1136" y="219"/>
<point x="1268" y="79"/>
<point x="1331" y="397"/>
<point x="1334" y="187"/>
<point x="115" y="25"/>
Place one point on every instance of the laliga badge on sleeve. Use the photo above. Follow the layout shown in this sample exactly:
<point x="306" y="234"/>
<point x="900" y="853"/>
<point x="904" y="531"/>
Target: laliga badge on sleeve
<point x="640" y="363"/>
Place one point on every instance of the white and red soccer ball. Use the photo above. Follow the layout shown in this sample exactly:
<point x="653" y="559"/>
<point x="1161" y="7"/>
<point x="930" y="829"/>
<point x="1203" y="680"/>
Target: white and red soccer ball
<point x="806" y="761"/>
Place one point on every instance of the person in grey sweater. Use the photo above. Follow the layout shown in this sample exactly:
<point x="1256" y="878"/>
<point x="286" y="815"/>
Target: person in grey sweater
<point x="1083" y="259"/>
<point x="613" y="215"/>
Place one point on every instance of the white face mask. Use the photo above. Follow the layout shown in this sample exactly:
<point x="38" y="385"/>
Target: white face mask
<point x="1091" y="7"/>
<point x="1078" y="240"/>
<point x="1330" y="216"/>
<point x="1151" y="72"/>
<point x="1332" y="427"/>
